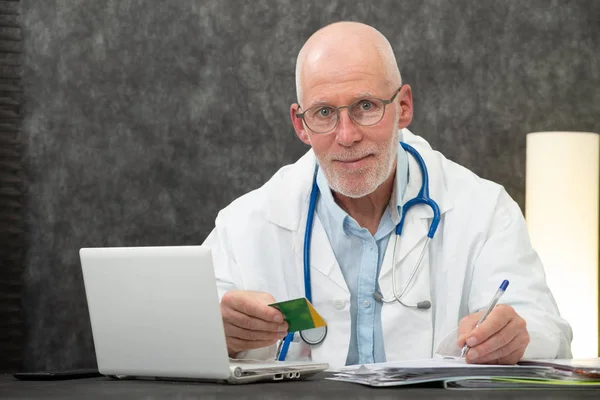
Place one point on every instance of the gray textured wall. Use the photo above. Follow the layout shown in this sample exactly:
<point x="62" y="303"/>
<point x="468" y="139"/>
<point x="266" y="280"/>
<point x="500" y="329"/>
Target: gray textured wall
<point x="144" y="118"/>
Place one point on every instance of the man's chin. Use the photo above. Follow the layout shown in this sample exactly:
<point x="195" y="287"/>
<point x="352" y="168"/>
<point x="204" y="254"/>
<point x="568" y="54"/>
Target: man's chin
<point x="355" y="193"/>
<point x="352" y="189"/>
<point x="351" y="173"/>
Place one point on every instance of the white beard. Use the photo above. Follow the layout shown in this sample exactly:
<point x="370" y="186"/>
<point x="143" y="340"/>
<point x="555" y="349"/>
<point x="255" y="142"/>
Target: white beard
<point x="367" y="180"/>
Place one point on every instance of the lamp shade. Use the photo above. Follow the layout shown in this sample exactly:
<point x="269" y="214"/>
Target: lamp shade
<point x="561" y="209"/>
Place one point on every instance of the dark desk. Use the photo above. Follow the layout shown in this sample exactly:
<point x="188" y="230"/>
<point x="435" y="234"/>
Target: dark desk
<point x="315" y="388"/>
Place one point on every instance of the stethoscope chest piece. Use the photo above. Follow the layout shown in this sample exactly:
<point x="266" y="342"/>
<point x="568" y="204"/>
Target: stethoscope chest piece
<point x="314" y="336"/>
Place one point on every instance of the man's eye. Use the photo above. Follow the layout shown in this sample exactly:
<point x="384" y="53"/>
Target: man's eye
<point x="365" y="105"/>
<point x="324" y="112"/>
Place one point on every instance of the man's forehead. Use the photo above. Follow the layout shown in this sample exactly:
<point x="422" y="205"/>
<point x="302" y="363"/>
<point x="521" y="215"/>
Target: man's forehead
<point x="338" y="57"/>
<point x="353" y="79"/>
<point x="341" y="86"/>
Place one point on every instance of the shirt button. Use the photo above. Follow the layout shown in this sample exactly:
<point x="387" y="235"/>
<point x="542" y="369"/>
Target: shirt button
<point x="366" y="303"/>
<point x="339" y="304"/>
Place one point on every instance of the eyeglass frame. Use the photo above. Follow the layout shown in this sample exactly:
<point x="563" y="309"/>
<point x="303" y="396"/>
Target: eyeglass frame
<point x="337" y="112"/>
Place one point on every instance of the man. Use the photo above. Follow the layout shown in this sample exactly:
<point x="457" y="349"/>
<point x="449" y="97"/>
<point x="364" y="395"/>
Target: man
<point x="353" y="110"/>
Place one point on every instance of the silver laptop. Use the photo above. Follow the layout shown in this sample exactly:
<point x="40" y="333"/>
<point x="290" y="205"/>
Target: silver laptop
<point x="155" y="313"/>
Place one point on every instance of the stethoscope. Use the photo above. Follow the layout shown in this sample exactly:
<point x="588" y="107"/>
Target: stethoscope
<point x="316" y="336"/>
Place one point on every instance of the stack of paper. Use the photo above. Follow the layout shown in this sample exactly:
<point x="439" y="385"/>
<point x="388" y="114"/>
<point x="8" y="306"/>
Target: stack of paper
<point x="455" y="373"/>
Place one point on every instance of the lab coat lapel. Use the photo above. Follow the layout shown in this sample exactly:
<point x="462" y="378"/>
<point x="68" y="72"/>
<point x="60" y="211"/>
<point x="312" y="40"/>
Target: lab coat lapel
<point x="412" y="337"/>
<point x="419" y="217"/>
<point x="416" y="224"/>
<point x="416" y="329"/>
<point x="288" y="208"/>
<point x="322" y="258"/>
<point x="411" y="238"/>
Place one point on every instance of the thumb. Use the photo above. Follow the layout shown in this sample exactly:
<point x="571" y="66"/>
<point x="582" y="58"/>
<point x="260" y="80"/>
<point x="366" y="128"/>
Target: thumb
<point x="465" y="327"/>
<point x="263" y="297"/>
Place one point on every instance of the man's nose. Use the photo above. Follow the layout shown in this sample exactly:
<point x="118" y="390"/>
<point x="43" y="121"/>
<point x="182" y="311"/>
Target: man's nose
<point x="347" y="132"/>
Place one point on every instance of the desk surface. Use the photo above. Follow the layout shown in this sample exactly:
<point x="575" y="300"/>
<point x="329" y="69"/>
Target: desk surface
<point x="314" y="388"/>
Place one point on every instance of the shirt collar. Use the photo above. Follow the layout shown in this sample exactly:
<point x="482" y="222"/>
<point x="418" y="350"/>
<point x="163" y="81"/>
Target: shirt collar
<point x="340" y="218"/>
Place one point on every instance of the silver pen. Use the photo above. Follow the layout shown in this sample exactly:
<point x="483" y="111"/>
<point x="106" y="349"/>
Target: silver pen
<point x="487" y="312"/>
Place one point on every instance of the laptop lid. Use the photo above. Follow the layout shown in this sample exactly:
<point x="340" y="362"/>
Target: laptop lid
<point x="154" y="312"/>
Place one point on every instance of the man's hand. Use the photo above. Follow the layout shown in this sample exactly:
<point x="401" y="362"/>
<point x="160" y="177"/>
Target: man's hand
<point x="249" y="322"/>
<point x="501" y="339"/>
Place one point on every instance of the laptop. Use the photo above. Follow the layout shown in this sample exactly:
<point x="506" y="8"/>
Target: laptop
<point x="155" y="313"/>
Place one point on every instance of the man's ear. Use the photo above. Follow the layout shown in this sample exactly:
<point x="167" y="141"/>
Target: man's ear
<point x="298" y="124"/>
<point x="406" y="107"/>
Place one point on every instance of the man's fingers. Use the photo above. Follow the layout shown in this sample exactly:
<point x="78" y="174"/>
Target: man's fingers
<point x="263" y="297"/>
<point x="512" y="358"/>
<point x="236" y="345"/>
<point x="495" y="347"/>
<point x="233" y="317"/>
<point x="501" y="339"/>
<point x="508" y="354"/>
<point x="496" y="321"/>
<point x="249" y="321"/>
<point x="252" y="335"/>
<point x="466" y="326"/>
<point x="514" y="329"/>
<point x="251" y="306"/>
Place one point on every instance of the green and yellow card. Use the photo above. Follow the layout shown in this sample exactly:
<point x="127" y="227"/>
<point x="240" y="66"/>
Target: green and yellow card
<point x="299" y="314"/>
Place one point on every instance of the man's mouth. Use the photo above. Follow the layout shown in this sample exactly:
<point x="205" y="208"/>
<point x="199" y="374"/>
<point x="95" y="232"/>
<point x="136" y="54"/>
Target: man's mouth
<point x="351" y="160"/>
<point x="354" y="161"/>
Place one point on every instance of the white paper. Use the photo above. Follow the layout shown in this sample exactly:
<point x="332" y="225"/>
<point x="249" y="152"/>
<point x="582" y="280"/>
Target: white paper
<point x="437" y="362"/>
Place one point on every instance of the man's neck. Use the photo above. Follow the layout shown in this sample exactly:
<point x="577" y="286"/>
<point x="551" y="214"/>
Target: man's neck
<point x="368" y="210"/>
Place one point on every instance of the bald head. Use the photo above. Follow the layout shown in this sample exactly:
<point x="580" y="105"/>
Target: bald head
<point x="345" y="48"/>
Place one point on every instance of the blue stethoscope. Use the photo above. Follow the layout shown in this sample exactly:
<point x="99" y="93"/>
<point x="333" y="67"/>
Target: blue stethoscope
<point x="316" y="336"/>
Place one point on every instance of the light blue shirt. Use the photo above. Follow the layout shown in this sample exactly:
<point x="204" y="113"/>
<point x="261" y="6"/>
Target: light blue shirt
<point x="360" y="255"/>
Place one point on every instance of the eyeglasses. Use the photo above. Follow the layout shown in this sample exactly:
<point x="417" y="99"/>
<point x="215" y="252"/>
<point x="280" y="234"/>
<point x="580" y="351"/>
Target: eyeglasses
<point x="366" y="112"/>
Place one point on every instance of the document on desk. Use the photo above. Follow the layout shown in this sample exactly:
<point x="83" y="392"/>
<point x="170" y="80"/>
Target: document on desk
<point x="455" y="373"/>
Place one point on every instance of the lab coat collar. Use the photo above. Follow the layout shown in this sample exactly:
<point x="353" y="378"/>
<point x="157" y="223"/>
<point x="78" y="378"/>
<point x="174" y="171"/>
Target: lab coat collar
<point x="289" y="192"/>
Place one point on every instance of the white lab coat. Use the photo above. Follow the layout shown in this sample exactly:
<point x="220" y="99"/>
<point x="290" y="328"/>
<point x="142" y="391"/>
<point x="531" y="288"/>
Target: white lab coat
<point x="257" y="244"/>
